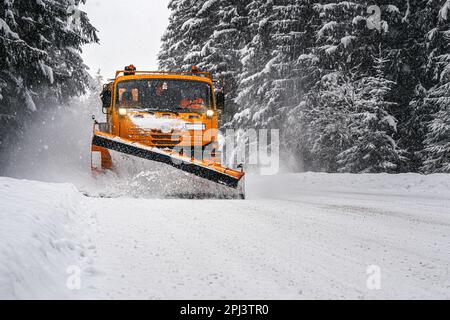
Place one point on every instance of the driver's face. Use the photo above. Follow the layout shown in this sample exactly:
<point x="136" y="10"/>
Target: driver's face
<point x="161" y="88"/>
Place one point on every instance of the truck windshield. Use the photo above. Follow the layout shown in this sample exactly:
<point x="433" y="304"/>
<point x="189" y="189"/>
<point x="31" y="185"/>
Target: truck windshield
<point x="164" y="95"/>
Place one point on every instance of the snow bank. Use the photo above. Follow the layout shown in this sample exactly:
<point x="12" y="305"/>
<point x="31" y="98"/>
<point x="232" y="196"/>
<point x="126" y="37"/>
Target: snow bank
<point x="40" y="238"/>
<point x="298" y="236"/>
<point x="410" y="184"/>
<point x="304" y="236"/>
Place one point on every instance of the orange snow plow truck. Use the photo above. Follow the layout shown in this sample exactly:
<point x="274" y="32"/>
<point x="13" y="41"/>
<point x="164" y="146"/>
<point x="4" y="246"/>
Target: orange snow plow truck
<point x="166" y="117"/>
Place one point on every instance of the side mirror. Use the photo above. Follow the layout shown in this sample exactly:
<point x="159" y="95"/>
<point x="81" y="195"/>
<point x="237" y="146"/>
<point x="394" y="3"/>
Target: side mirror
<point x="220" y="101"/>
<point x="106" y="97"/>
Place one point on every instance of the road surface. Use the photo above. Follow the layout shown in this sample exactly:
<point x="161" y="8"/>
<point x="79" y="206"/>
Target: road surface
<point x="289" y="240"/>
<point x="302" y="236"/>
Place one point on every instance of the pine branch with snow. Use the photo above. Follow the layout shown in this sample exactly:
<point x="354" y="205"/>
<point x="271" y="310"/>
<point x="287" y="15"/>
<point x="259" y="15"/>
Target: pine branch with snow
<point x="40" y="59"/>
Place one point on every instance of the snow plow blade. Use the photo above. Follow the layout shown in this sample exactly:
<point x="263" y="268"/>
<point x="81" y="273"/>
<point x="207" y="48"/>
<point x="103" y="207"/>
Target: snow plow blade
<point x="204" y="169"/>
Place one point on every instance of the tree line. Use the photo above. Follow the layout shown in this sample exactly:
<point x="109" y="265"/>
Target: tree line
<point x="40" y="62"/>
<point x="354" y="86"/>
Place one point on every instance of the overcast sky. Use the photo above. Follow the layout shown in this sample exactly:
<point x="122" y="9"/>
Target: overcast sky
<point x="130" y="32"/>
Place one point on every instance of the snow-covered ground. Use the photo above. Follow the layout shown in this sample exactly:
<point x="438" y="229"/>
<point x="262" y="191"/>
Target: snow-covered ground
<point x="43" y="230"/>
<point x="297" y="236"/>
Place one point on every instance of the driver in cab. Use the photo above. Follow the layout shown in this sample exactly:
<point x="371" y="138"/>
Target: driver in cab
<point x="161" y="97"/>
<point x="193" y="100"/>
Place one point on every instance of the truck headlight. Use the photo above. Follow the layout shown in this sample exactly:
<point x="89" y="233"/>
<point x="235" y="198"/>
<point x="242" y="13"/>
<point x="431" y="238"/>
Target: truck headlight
<point x="195" y="126"/>
<point x="210" y="113"/>
<point x="122" y="112"/>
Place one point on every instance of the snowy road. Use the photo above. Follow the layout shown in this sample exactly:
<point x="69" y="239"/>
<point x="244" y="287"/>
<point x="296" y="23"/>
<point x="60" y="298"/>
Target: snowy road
<point x="302" y="237"/>
<point x="299" y="236"/>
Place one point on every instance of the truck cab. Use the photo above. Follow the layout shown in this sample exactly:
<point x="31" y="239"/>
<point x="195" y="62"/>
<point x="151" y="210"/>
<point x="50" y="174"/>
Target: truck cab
<point x="164" y="109"/>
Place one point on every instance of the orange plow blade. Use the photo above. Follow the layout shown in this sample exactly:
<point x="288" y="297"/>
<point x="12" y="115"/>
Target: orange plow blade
<point x="205" y="169"/>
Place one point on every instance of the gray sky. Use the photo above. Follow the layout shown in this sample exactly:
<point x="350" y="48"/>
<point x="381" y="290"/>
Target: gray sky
<point x="130" y="31"/>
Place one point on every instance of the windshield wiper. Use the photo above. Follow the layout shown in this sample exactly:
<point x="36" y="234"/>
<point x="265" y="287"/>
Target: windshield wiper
<point x="187" y="110"/>
<point x="175" y="110"/>
<point x="158" y="110"/>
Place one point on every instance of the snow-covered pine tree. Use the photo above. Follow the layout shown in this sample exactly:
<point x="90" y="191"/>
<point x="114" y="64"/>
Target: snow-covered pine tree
<point x="220" y="54"/>
<point x="436" y="151"/>
<point x="171" y="52"/>
<point x="185" y="36"/>
<point x="198" y="31"/>
<point x="292" y="25"/>
<point x="208" y="34"/>
<point x="273" y="78"/>
<point x="422" y="71"/>
<point x="257" y="66"/>
<point x="40" y="46"/>
<point x="414" y="130"/>
<point x="347" y="37"/>
<point x="373" y="147"/>
<point x="290" y="50"/>
<point x="350" y="32"/>
<point x="436" y="154"/>
<point x="321" y="122"/>
<point x="343" y="37"/>
<point x="409" y="47"/>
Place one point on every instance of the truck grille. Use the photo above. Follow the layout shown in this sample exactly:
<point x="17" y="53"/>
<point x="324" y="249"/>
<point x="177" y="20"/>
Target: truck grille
<point x="156" y="137"/>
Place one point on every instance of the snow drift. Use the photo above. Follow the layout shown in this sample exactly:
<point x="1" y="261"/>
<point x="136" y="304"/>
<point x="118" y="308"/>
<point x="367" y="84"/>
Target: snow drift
<point x="40" y="238"/>
<point x="298" y="236"/>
